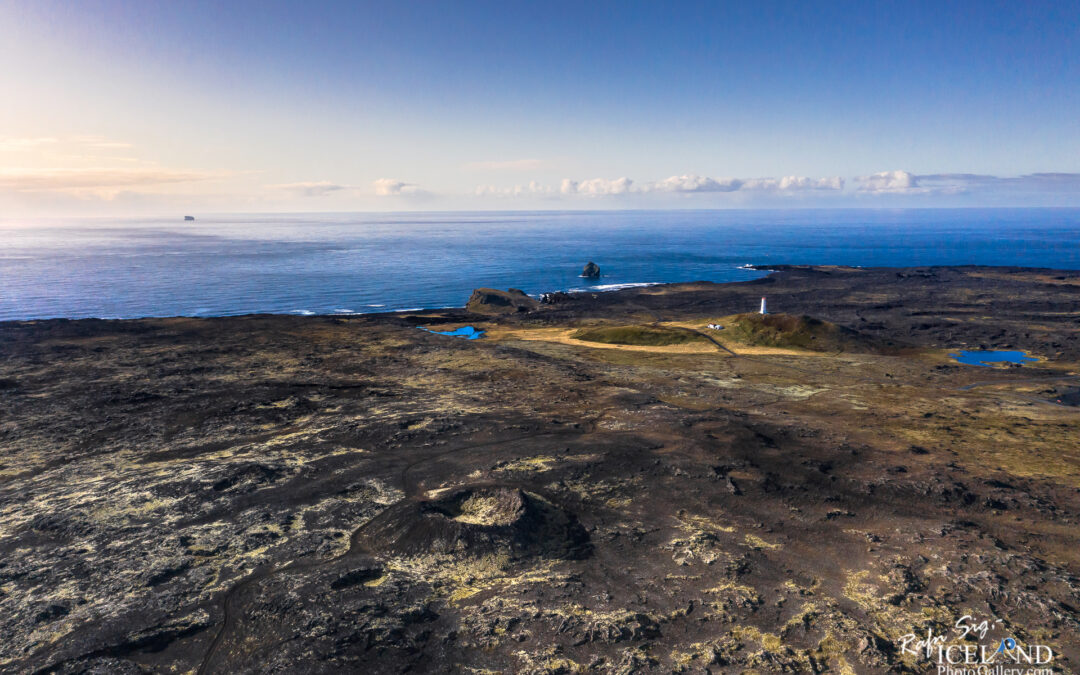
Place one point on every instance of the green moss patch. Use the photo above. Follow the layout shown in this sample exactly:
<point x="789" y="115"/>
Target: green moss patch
<point x="800" y="332"/>
<point x="642" y="336"/>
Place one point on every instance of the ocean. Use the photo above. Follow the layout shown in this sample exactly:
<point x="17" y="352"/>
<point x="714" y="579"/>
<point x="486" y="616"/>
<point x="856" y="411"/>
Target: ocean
<point x="352" y="263"/>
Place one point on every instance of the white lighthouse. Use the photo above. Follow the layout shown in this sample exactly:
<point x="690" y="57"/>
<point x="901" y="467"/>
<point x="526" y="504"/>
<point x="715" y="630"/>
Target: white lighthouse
<point x="763" y="305"/>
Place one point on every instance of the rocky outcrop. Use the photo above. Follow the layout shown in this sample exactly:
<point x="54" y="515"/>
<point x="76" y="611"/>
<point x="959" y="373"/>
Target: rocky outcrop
<point x="545" y="299"/>
<point x="591" y="271"/>
<point x="493" y="301"/>
<point x="477" y="522"/>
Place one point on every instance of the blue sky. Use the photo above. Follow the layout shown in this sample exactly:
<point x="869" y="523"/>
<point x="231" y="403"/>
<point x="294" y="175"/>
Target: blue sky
<point x="116" y="107"/>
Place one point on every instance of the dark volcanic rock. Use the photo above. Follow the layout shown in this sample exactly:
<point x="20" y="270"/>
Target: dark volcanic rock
<point x="347" y="494"/>
<point x="479" y="521"/>
<point x="553" y="298"/>
<point x="591" y="271"/>
<point x="493" y="301"/>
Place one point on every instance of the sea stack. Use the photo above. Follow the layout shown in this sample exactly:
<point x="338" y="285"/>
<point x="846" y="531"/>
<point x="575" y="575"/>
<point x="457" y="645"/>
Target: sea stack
<point x="591" y="271"/>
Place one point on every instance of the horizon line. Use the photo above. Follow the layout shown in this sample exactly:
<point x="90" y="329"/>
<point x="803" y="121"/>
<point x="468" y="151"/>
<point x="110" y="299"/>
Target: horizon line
<point x="206" y="214"/>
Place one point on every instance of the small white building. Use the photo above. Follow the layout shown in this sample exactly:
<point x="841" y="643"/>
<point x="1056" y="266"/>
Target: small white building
<point x="763" y="305"/>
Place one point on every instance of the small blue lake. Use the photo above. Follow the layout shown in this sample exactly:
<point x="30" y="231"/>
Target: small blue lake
<point x="467" y="332"/>
<point x="990" y="357"/>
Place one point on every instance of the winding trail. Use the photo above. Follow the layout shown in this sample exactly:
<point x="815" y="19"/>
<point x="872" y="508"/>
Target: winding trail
<point x="708" y="337"/>
<point x="228" y="602"/>
<point x="874" y="380"/>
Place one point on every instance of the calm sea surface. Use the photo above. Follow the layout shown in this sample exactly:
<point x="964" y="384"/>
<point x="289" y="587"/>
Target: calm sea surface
<point x="340" y="263"/>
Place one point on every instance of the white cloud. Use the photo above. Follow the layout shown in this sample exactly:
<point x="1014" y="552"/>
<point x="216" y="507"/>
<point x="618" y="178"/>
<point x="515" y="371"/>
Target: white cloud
<point x="694" y="183"/>
<point x="685" y="184"/>
<point x="596" y="187"/>
<point x="794" y="183"/>
<point x="390" y="187"/>
<point x="903" y="182"/>
<point x="506" y="165"/>
<point x="103" y="182"/>
<point x="889" y="181"/>
<point x="899" y="183"/>
<point x="532" y="188"/>
<point x="691" y="183"/>
<point x="311" y="188"/>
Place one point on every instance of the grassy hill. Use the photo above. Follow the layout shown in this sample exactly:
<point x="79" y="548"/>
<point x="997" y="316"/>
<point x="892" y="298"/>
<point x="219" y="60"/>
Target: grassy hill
<point x="644" y="336"/>
<point x="799" y="332"/>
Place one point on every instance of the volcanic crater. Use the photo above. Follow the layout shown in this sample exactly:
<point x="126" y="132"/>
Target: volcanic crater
<point x="479" y="521"/>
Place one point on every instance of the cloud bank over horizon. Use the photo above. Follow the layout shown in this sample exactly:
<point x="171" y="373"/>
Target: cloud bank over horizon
<point x="906" y="183"/>
<point x="121" y="107"/>
<point x="43" y="172"/>
<point x="686" y="184"/>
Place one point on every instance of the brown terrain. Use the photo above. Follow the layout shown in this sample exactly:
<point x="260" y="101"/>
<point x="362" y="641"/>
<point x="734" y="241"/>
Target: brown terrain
<point x="599" y="484"/>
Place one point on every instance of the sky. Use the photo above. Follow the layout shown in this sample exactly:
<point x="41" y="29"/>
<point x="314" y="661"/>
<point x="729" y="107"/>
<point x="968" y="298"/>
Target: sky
<point x="154" y="107"/>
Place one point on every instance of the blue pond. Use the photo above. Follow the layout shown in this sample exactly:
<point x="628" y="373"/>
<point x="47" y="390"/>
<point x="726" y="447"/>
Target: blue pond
<point x="467" y="332"/>
<point x="986" y="358"/>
